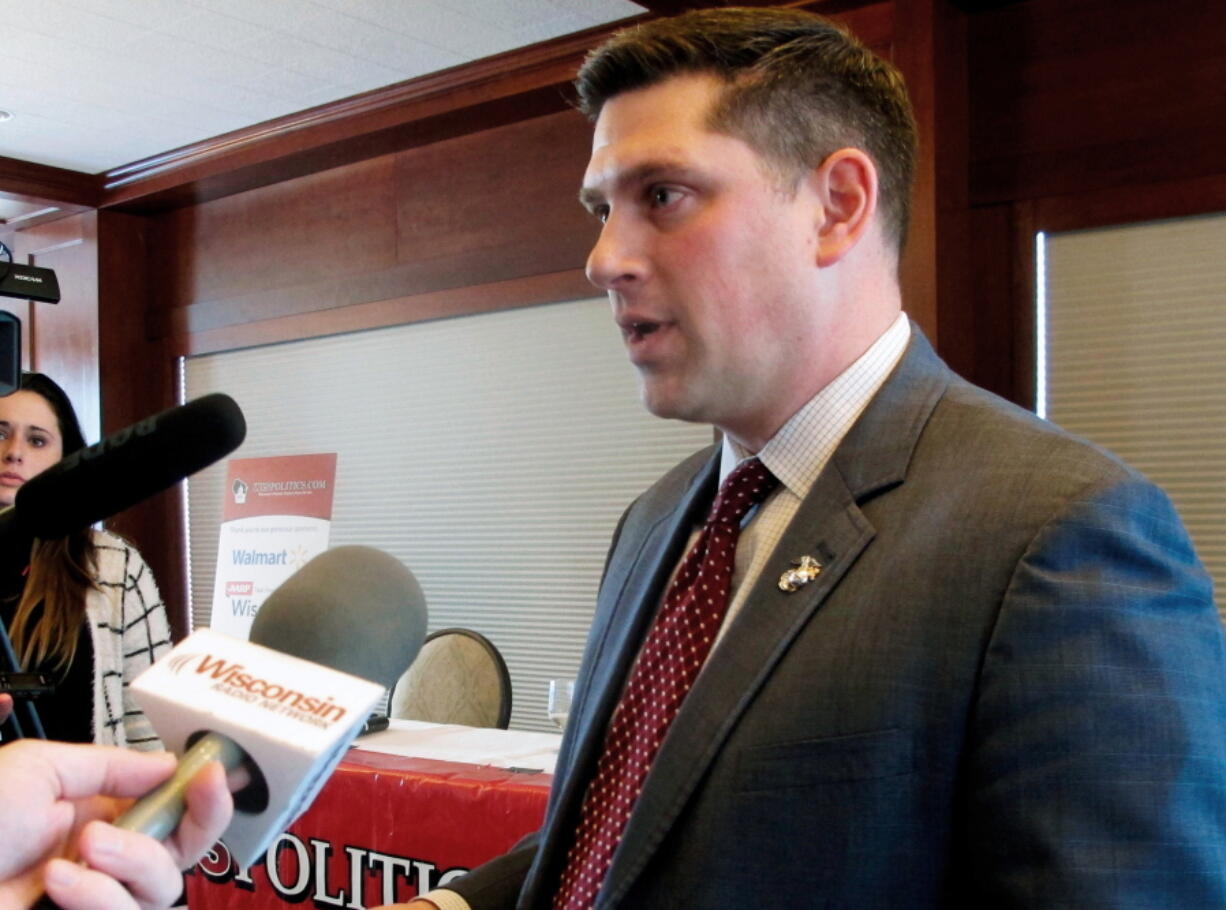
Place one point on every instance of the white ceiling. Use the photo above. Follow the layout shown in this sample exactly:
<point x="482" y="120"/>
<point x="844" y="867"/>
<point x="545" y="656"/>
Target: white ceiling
<point x="94" y="84"/>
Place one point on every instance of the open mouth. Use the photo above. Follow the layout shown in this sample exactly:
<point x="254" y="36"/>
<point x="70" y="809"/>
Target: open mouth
<point x="639" y="330"/>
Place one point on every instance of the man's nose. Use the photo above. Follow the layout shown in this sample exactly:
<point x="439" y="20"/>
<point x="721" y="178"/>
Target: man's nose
<point x="617" y="258"/>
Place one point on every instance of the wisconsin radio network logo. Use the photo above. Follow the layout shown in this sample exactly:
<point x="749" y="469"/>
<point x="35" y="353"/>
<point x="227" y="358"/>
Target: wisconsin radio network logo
<point x="235" y="680"/>
<point x="180" y="662"/>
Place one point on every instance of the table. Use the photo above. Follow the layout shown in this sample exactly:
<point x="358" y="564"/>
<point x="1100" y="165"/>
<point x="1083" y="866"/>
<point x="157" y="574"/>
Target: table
<point x="406" y="811"/>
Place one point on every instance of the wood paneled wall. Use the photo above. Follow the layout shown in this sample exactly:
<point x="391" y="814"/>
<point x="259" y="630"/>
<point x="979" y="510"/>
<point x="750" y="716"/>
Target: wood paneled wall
<point x="1082" y="95"/>
<point x="1081" y="113"/>
<point x="381" y="241"/>
<point x="455" y="194"/>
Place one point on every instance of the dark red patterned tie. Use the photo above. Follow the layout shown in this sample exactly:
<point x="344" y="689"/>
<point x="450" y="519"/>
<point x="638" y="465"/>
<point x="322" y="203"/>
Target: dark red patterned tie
<point x="676" y="647"/>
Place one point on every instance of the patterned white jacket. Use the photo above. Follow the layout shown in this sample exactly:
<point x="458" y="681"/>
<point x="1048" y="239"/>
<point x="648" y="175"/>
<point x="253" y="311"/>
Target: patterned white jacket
<point x="129" y="630"/>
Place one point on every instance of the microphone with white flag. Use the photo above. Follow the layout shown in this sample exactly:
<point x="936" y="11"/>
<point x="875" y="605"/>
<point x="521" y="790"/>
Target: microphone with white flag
<point x="355" y="614"/>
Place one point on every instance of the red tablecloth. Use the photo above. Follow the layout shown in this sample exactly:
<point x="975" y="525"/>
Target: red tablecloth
<point x="383" y="829"/>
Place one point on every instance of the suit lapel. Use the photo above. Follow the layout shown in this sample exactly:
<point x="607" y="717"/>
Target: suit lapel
<point x="644" y="554"/>
<point x="829" y="525"/>
<point x="630" y="594"/>
<point x="743" y="660"/>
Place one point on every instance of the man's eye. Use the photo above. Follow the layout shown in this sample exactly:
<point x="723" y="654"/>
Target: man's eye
<point x="601" y="212"/>
<point x="663" y="196"/>
<point x="38" y="442"/>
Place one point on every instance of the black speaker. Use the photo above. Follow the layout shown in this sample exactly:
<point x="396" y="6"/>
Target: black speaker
<point x="10" y="353"/>
<point x="28" y="282"/>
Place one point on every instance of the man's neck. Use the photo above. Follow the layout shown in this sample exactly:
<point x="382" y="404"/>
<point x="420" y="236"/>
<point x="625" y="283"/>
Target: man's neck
<point x="757" y="430"/>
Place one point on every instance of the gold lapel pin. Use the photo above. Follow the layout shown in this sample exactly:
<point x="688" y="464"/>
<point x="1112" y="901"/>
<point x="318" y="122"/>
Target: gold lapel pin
<point x="807" y="569"/>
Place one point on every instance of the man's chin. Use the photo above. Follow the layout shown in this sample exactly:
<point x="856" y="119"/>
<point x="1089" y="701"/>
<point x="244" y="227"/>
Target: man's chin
<point x="671" y="406"/>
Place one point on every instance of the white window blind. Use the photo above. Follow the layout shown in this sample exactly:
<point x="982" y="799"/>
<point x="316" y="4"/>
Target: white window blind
<point x="493" y="454"/>
<point x="1136" y="335"/>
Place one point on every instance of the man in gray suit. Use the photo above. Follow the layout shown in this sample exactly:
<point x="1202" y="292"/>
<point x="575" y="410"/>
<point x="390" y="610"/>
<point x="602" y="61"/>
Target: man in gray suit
<point x="967" y="659"/>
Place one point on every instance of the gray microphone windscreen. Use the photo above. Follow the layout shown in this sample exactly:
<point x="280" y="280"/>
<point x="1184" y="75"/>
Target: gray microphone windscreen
<point x="354" y="609"/>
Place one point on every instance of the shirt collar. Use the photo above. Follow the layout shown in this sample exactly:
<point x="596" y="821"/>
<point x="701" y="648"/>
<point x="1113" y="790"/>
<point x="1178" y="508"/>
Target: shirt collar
<point x="802" y="447"/>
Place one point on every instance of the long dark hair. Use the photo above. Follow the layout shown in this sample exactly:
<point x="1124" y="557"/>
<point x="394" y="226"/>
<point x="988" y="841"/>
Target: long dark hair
<point x="61" y="571"/>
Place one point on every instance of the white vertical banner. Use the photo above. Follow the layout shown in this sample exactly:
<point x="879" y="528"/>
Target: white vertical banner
<point x="276" y="518"/>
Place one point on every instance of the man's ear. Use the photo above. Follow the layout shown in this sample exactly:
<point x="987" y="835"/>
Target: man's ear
<point x="846" y="185"/>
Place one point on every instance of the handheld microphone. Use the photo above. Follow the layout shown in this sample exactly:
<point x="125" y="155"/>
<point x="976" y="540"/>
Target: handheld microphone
<point x="268" y="706"/>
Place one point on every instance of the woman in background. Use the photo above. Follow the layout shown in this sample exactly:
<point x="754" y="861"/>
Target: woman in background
<point x="86" y="609"/>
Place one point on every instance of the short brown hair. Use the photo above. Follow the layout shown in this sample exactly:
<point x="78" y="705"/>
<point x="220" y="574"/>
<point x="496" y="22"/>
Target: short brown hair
<point x="799" y="88"/>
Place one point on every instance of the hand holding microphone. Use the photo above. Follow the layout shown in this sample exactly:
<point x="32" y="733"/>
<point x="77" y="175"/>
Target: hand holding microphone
<point x="57" y="799"/>
<point x="352" y="608"/>
<point x="283" y="713"/>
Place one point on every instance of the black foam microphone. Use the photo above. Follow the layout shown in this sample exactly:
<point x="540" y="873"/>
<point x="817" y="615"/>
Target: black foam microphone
<point x="127" y="467"/>
<point x="353" y="609"/>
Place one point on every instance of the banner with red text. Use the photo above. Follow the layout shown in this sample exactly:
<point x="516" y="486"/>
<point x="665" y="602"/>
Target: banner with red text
<point x="277" y="517"/>
<point x="384" y="829"/>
